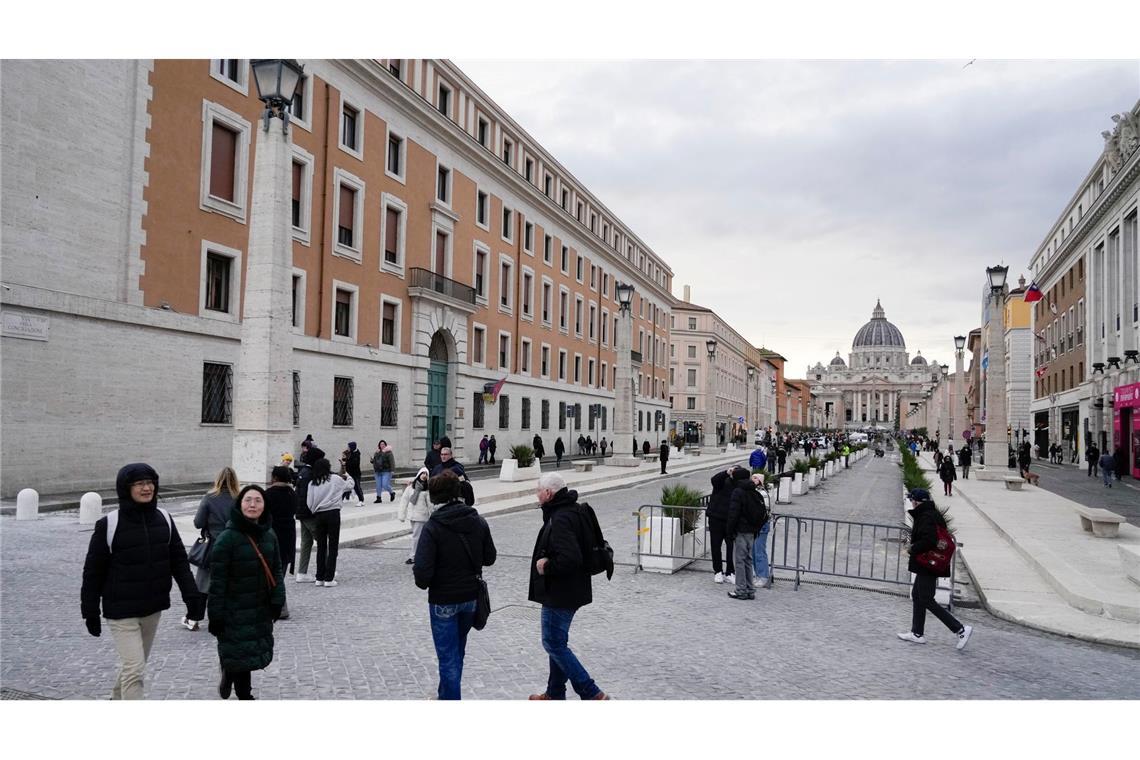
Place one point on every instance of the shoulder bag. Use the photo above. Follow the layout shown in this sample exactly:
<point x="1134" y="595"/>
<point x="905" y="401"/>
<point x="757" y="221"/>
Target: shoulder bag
<point x="483" y="598"/>
<point x="199" y="554"/>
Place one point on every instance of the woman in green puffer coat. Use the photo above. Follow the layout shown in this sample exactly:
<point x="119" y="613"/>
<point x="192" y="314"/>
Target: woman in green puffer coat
<point x="246" y="592"/>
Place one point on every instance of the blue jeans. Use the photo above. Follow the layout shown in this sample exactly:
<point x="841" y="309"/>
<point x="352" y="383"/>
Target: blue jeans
<point x="563" y="664"/>
<point x="383" y="482"/>
<point x="760" y="552"/>
<point x="450" y="624"/>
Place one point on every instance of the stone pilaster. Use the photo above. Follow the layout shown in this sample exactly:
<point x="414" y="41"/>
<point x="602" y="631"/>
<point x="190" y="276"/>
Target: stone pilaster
<point x="996" y="414"/>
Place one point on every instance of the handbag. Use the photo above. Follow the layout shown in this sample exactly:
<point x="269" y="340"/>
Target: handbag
<point x="483" y="598"/>
<point x="199" y="554"/>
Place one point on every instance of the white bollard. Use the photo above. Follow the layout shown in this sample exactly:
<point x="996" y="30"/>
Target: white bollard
<point x="28" y="504"/>
<point x="90" y="508"/>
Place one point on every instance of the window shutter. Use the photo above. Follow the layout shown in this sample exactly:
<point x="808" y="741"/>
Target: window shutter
<point x="297" y="171"/>
<point x="347" y="203"/>
<point x="223" y="155"/>
<point x="391" y="230"/>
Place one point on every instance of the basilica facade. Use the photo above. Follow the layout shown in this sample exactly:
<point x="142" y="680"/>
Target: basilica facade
<point x="878" y="384"/>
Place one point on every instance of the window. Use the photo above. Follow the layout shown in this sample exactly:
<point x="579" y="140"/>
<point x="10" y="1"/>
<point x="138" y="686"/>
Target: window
<point x="593" y="277"/>
<point x="504" y="351"/>
<point x="228" y="69"/>
<point x="602" y="374"/>
<point x="348" y="210"/>
<point x="561" y="364"/>
<point x="217" y="393"/>
<point x="577" y="368"/>
<point x="590" y="372"/>
<point x="477" y="411"/>
<point x="394" y="233"/>
<point x="563" y="308"/>
<point x="547" y="247"/>
<point x="524" y="356"/>
<point x="690" y="402"/>
<point x="578" y="268"/>
<point x="565" y="267"/>
<point x="342" y="314"/>
<point x="508" y="146"/>
<point x="508" y="232"/>
<point x="504" y="412"/>
<point x="578" y="315"/>
<point x="528" y="237"/>
<point x="528" y="294"/>
<point x="577" y="416"/>
<point x="692" y="351"/>
<point x="444" y="102"/>
<point x="594" y="223"/>
<point x="389" y="323"/>
<point x="298" y="175"/>
<point x="342" y="401"/>
<point x="526" y="413"/>
<point x="225" y="155"/>
<point x="692" y="323"/>
<point x="350" y="129"/>
<point x="296" y="399"/>
<point x="483" y="131"/>
<point x="528" y="170"/>
<point x="346" y="224"/>
<point x="565" y="199"/>
<point x="218" y="286"/>
<point x="481" y="214"/>
<point x="561" y="415"/>
<point x="506" y="291"/>
<point x="579" y="212"/>
<point x="545" y="415"/>
<point x="593" y="318"/>
<point x="692" y="378"/>
<point x="548" y="186"/>
<point x="544" y="358"/>
<point x="298" y="303"/>
<point x="389" y="405"/>
<point x="481" y="257"/>
<point x="394" y="67"/>
<point x="442" y="251"/>
<point x="299" y="107"/>
<point x="478" y="344"/>
<point x="443" y="184"/>
<point x="394" y="167"/>
<point x="605" y="326"/>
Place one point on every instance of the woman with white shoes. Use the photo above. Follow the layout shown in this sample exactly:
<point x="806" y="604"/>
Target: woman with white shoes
<point x="212" y="515"/>
<point x="927" y="520"/>
<point x="324" y="500"/>
<point x="416" y="506"/>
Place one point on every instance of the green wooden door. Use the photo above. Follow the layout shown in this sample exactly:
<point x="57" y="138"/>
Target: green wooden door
<point x="437" y="401"/>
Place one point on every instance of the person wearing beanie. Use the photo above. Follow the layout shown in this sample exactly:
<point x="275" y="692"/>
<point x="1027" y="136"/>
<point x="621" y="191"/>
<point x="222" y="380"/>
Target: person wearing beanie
<point x="352" y="467"/>
<point x="131" y="570"/>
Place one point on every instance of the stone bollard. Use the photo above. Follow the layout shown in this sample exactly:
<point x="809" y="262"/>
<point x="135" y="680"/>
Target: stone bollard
<point x="90" y="508"/>
<point x="28" y="504"/>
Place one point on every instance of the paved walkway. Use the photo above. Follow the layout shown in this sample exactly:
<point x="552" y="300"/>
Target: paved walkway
<point x="647" y="636"/>
<point x="1074" y="483"/>
<point x="1034" y="565"/>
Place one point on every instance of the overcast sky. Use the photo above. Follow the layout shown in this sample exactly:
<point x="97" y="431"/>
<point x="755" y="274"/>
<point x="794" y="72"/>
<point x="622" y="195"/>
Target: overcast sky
<point x="792" y="194"/>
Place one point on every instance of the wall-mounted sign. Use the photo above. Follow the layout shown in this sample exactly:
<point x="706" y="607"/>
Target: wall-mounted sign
<point x="26" y="326"/>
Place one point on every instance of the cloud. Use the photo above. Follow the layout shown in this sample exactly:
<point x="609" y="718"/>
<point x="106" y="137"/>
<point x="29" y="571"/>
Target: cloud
<point x="817" y="187"/>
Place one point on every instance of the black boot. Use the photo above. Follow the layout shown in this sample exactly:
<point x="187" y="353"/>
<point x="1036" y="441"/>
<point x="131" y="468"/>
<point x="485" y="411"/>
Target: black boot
<point x="226" y="686"/>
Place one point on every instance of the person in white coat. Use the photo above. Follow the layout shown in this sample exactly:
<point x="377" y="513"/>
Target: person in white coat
<point x="416" y="506"/>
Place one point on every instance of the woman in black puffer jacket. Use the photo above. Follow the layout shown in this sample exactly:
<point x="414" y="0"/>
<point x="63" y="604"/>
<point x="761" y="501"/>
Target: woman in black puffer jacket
<point x="723" y="484"/>
<point x="247" y="592"/>
<point x="927" y="519"/>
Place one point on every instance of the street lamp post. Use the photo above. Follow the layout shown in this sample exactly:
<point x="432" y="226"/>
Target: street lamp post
<point x="996" y="413"/>
<point x="749" y="418"/>
<point x="959" y="345"/>
<point x="710" y="397"/>
<point x="263" y="388"/>
<point x="772" y="389"/>
<point x="623" y="387"/>
<point x="944" y="404"/>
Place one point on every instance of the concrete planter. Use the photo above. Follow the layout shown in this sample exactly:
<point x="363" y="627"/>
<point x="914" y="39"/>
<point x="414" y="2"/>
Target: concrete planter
<point x="812" y="478"/>
<point x="799" y="485"/>
<point x="784" y="491"/>
<point x="510" y="472"/>
<point x="665" y="538"/>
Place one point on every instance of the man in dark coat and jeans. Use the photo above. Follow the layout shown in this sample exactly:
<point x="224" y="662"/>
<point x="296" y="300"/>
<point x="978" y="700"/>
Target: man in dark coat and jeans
<point x="560" y="582"/>
<point x="723" y="484"/>
<point x="133" y="576"/>
<point x="746" y="516"/>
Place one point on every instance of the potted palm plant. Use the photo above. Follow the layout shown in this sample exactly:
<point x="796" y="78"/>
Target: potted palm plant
<point x="520" y="466"/>
<point x="675" y="535"/>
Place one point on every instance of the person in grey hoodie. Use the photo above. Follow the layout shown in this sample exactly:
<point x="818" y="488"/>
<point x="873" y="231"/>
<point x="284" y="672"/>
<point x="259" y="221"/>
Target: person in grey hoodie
<point x="415" y="505"/>
<point x="324" y="500"/>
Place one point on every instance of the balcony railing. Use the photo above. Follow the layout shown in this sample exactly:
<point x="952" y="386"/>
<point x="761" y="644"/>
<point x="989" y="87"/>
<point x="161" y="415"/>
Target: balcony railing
<point x="428" y="280"/>
<point x="636" y="356"/>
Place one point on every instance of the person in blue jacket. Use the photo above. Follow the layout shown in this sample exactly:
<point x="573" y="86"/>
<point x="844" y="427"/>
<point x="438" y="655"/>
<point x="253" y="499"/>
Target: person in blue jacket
<point x="758" y="460"/>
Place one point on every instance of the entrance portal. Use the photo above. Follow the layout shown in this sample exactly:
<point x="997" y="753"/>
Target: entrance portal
<point x="437" y="389"/>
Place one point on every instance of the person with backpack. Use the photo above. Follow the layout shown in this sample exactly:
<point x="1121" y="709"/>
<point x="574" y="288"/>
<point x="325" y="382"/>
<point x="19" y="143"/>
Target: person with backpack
<point x="383" y="463"/>
<point x="450" y="556"/>
<point x="746" y="515"/>
<point x="929" y="531"/>
<point x="304" y="514"/>
<point x="716" y="514"/>
<point x="560" y="582"/>
<point x="352" y="468"/>
<point x="247" y="592"/>
<point x="133" y="558"/>
<point x="213" y="512"/>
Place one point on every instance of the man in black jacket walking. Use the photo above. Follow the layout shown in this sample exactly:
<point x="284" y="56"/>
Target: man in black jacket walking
<point x="746" y="516"/>
<point x="723" y="484"/>
<point x="452" y="551"/>
<point x="560" y="582"/>
<point x="663" y="455"/>
<point x="132" y="572"/>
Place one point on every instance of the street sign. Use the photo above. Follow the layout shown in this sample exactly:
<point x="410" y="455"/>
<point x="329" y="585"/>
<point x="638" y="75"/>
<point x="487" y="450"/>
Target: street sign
<point x="740" y="420"/>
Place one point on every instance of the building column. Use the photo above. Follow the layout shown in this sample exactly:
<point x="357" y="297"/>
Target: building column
<point x="996" y="449"/>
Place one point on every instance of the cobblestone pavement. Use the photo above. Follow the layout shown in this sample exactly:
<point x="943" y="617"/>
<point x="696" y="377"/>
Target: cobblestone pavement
<point x="1074" y="483"/>
<point x="646" y="636"/>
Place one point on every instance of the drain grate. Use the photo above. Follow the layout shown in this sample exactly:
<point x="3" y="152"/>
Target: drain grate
<point x="16" y="694"/>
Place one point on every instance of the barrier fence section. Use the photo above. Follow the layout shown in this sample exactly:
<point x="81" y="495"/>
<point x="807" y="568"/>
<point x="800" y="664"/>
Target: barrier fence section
<point x="798" y="544"/>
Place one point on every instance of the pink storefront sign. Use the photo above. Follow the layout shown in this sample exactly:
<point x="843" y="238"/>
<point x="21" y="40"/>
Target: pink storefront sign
<point x="1126" y="425"/>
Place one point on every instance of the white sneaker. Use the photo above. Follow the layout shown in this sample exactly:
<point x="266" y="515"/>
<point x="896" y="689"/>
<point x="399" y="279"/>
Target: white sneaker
<point x="909" y="636"/>
<point x="319" y="583"/>
<point x="302" y="578"/>
<point x="731" y="578"/>
<point x="328" y="584"/>
<point x="718" y="578"/>
<point x="964" y="636"/>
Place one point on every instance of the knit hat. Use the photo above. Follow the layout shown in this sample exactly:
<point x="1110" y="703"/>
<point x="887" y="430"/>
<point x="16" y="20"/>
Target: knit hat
<point x="918" y="495"/>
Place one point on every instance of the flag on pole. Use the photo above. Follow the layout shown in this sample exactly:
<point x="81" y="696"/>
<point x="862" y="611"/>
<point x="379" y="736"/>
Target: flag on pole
<point x="1040" y="371"/>
<point x="1033" y="293"/>
<point x="497" y="388"/>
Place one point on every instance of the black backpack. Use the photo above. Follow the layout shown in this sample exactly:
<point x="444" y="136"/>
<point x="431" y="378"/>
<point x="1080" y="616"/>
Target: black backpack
<point x="598" y="555"/>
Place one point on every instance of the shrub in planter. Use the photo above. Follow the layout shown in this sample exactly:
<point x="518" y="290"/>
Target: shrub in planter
<point x="801" y="466"/>
<point x="681" y="496"/>
<point x="524" y="454"/>
<point x="813" y="461"/>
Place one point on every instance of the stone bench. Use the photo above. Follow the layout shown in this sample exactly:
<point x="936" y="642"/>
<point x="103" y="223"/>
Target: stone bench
<point x="1099" y="522"/>
<point x="1013" y="484"/>
<point x="1130" y="558"/>
<point x="583" y="466"/>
